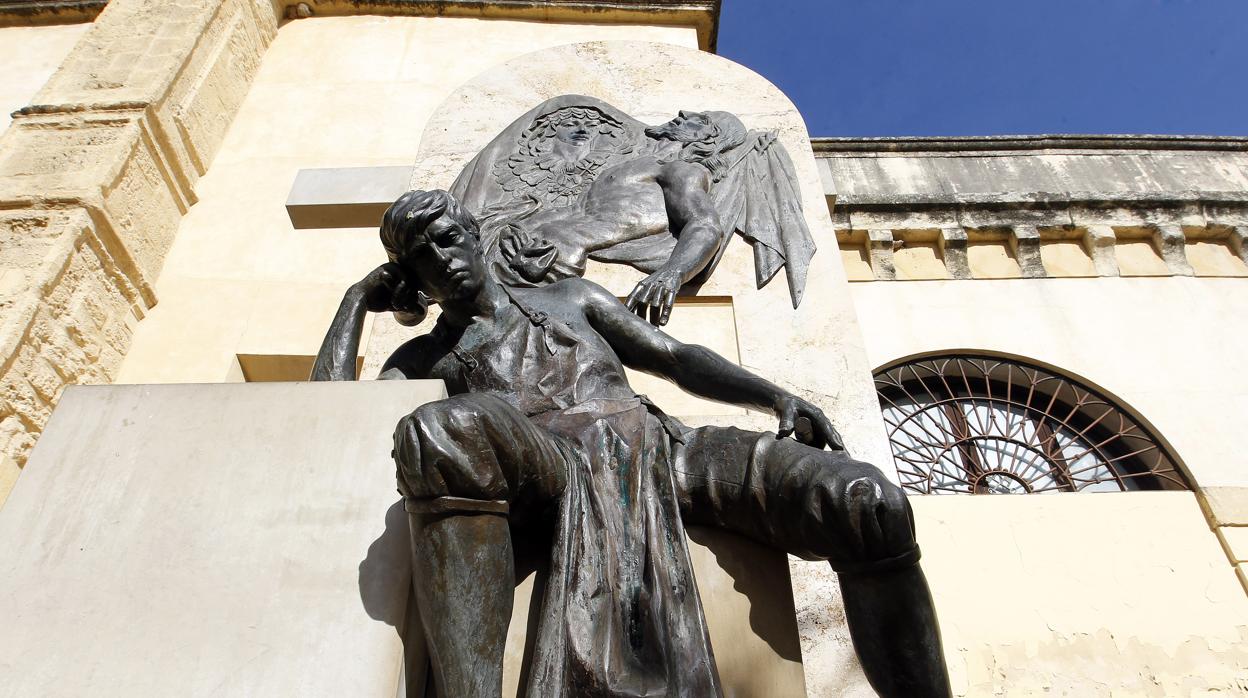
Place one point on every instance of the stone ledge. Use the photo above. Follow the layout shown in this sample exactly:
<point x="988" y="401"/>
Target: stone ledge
<point x="345" y="197"/>
<point x="17" y="13"/>
<point x="701" y="14"/>
<point x="826" y="146"/>
<point x="1006" y="248"/>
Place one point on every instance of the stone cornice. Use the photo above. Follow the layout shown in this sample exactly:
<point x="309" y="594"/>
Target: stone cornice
<point x="703" y="15"/>
<point x="700" y="14"/>
<point x="972" y="144"/>
<point x="27" y="12"/>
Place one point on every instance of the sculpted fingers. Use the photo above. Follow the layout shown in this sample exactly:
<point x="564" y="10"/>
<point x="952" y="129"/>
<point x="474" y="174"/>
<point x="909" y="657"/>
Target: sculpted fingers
<point x="639" y="299"/>
<point x="831" y="436"/>
<point x="668" y="300"/>
<point x="804" y="431"/>
<point x="788" y="415"/>
<point x="379" y="286"/>
<point x="825" y="435"/>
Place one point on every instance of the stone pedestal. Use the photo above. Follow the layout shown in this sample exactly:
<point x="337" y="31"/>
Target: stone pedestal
<point x="227" y="540"/>
<point x="246" y="539"/>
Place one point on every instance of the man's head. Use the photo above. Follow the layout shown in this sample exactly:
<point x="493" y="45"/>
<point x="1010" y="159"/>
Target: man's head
<point x="437" y="244"/>
<point x="705" y="137"/>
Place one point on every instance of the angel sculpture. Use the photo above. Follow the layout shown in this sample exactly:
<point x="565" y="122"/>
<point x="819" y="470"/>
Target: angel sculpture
<point x="576" y="179"/>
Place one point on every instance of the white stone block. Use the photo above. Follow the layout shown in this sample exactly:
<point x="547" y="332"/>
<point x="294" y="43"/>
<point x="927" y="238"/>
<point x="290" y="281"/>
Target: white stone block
<point x="234" y="539"/>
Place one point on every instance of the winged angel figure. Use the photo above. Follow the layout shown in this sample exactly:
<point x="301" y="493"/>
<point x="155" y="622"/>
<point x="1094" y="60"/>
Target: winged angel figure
<point x="576" y="179"/>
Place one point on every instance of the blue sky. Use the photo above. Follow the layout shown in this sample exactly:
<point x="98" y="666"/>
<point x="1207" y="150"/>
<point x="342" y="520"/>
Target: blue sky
<point x="988" y="67"/>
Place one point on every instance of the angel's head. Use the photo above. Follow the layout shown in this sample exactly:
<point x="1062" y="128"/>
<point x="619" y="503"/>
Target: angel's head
<point x="705" y="137"/>
<point x="571" y="131"/>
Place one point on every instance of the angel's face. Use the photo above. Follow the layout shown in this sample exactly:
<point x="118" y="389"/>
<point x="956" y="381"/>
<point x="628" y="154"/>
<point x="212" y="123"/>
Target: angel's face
<point x="574" y="130"/>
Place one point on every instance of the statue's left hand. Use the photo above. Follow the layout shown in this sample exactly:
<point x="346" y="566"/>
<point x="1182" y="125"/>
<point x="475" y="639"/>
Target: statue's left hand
<point x="657" y="293"/>
<point x="807" y="424"/>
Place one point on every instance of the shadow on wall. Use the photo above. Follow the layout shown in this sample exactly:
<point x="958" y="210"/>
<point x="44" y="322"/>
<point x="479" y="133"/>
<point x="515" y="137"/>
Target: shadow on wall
<point x="385" y="582"/>
<point x="739" y="557"/>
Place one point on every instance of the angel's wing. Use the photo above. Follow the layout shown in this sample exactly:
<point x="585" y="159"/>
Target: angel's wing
<point x="499" y="173"/>
<point x="759" y="200"/>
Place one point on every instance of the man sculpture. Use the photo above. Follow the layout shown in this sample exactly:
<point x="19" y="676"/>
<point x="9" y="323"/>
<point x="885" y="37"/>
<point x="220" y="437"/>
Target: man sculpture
<point x="583" y="181"/>
<point x="543" y="434"/>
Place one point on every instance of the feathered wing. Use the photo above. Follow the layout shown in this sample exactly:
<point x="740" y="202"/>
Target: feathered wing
<point x="500" y="173"/>
<point x="759" y="200"/>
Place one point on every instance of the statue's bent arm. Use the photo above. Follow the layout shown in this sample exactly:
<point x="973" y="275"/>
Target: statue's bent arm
<point x="693" y="220"/>
<point x="698" y="369"/>
<point x="691" y="216"/>
<point x="336" y="359"/>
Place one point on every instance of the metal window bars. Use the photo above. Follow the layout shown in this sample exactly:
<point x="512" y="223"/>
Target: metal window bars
<point x="987" y="425"/>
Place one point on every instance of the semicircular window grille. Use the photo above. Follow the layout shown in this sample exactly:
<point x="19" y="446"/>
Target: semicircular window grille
<point x="981" y="425"/>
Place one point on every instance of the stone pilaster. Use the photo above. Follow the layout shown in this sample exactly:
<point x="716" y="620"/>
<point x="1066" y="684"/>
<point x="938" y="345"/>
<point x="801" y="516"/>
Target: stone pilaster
<point x="95" y="176"/>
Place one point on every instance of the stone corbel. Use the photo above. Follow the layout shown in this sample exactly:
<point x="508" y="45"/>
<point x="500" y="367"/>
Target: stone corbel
<point x="1171" y="243"/>
<point x="1099" y="240"/>
<point x="1025" y="243"/>
<point x="952" y="244"/>
<point x="1239" y="241"/>
<point x="880" y="254"/>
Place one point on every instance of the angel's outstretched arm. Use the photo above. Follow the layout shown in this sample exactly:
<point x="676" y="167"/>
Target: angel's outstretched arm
<point x="693" y="220"/>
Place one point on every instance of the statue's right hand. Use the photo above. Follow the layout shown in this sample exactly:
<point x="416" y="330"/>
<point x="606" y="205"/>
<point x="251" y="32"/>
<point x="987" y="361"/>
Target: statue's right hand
<point x="381" y="287"/>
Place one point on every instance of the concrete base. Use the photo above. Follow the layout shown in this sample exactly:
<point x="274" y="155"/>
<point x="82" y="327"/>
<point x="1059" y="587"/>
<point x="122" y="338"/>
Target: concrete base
<point x="246" y="539"/>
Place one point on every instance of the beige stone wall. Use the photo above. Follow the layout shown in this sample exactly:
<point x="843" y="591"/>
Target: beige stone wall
<point x="1170" y="348"/>
<point x="1083" y="595"/>
<point x="1067" y="595"/>
<point x="331" y="92"/>
<point x="94" y="176"/>
<point x="28" y="57"/>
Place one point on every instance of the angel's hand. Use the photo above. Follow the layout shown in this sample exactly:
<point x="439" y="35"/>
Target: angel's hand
<point x="806" y="423"/>
<point x="531" y="258"/>
<point x="657" y="293"/>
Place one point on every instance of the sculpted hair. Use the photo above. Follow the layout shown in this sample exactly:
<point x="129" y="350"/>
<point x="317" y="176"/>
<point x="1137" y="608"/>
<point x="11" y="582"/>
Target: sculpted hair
<point x="728" y="134"/>
<point x="544" y="126"/>
<point x="408" y="217"/>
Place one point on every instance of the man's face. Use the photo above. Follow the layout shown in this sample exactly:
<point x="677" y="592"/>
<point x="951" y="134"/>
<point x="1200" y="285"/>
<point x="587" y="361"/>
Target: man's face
<point x="687" y="127"/>
<point x="574" y="130"/>
<point x="445" y="262"/>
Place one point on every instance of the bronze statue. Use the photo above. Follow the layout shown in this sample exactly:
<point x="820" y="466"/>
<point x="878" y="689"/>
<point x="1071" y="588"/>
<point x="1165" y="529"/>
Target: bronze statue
<point x="543" y="434"/>
<point x="576" y="179"/>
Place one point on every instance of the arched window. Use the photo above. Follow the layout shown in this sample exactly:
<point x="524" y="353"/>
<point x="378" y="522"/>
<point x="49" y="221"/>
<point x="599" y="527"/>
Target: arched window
<point x="985" y="425"/>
